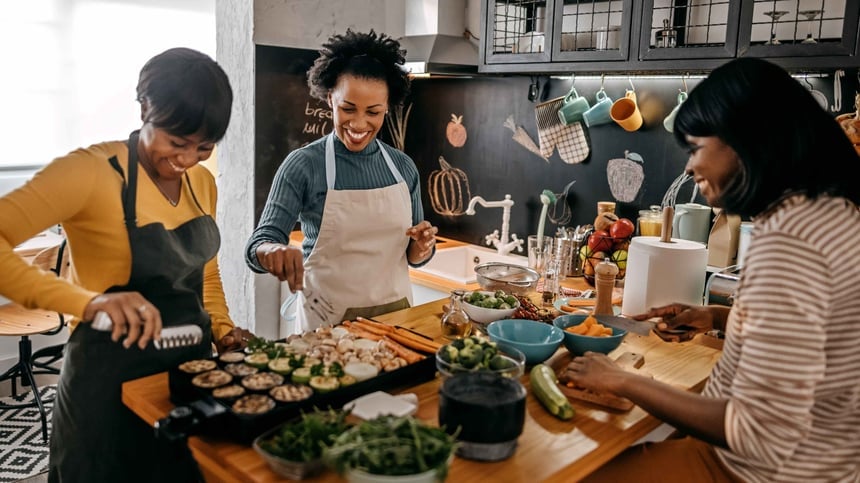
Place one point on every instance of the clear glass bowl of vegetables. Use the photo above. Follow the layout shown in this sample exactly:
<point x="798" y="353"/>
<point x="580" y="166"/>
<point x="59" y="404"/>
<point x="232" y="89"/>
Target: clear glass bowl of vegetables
<point x="392" y="448"/>
<point x="473" y="353"/>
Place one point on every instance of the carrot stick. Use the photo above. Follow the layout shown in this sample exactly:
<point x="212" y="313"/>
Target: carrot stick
<point x="412" y="344"/>
<point x="380" y="325"/>
<point x="371" y="328"/>
<point x="359" y="332"/>
<point x="421" y="340"/>
<point x="407" y="354"/>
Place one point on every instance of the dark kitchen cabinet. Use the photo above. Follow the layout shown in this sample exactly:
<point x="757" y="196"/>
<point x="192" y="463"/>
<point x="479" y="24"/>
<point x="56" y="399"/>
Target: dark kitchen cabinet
<point x="560" y="36"/>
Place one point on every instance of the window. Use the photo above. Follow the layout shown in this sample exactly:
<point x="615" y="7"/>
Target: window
<point x="70" y="69"/>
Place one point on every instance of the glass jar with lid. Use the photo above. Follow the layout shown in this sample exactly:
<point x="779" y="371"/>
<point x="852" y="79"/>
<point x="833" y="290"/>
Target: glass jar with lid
<point x="650" y="221"/>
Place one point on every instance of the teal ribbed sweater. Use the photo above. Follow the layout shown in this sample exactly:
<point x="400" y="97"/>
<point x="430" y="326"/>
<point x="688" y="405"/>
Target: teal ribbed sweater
<point x="298" y="191"/>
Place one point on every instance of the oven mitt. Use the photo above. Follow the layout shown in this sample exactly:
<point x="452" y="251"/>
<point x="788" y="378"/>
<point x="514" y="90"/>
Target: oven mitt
<point x="570" y="140"/>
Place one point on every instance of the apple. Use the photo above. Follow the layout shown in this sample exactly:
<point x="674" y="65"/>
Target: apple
<point x="620" y="258"/>
<point x="591" y="262"/>
<point x="622" y="244"/>
<point x="584" y="252"/>
<point x="600" y="241"/>
<point x="605" y="220"/>
<point x="622" y="228"/>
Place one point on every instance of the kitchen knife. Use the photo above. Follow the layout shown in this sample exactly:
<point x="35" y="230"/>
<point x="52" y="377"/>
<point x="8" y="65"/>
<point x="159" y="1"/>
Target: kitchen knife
<point x="171" y="337"/>
<point x="642" y="328"/>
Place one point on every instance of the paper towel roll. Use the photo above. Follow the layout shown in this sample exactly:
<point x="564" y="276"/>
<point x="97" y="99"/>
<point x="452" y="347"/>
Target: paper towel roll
<point x="660" y="273"/>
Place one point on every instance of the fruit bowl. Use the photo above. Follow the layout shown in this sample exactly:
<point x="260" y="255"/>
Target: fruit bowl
<point x="599" y="246"/>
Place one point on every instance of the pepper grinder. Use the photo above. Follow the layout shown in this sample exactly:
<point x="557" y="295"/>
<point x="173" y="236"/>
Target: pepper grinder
<point x="604" y="282"/>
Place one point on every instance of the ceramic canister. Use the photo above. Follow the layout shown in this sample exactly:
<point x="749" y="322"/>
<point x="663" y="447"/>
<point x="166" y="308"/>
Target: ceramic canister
<point x="660" y="273"/>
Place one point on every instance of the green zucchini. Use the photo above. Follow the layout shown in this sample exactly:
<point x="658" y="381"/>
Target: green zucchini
<point x="324" y="384"/>
<point x="302" y="375"/>
<point x="545" y="387"/>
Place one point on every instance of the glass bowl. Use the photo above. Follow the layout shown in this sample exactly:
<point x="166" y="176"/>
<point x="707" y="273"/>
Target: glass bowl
<point x="513" y="360"/>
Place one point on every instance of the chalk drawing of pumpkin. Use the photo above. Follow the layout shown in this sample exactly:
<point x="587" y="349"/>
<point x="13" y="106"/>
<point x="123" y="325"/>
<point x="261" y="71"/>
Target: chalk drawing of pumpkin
<point x="448" y="188"/>
<point x="456" y="131"/>
<point x="625" y="176"/>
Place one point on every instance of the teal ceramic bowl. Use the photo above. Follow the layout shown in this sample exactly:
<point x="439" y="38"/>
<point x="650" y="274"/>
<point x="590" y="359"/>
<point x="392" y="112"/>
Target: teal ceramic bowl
<point x="537" y="340"/>
<point x="580" y="344"/>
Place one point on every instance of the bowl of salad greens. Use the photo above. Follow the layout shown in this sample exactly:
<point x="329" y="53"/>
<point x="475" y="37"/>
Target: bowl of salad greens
<point x="294" y="449"/>
<point x="392" y="449"/>
<point x="484" y="306"/>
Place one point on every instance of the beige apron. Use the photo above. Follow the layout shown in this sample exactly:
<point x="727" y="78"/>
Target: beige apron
<point x="358" y="265"/>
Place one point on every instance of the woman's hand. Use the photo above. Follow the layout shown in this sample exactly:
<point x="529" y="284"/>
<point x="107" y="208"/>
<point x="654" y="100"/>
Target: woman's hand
<point x="423" y="239"/>
<point x="681" y="317"/>
<point x="236" y="339"/>
<point x="596" y="372"/>
<point x="284" y="262"/>
<point x="132" y="316"/>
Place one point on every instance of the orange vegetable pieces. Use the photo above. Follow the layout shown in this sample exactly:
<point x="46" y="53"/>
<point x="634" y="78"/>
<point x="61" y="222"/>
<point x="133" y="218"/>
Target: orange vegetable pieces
<point x="590" y="327"/>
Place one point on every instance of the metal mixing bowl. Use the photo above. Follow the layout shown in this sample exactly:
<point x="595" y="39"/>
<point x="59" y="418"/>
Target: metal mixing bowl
<point x="515" y="279"/>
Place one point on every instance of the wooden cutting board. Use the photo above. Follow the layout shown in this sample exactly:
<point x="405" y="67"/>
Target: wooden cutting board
<point x="629" y="361"/>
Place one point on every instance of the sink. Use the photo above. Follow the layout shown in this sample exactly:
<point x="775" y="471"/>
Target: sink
<point x="458" y="263"/>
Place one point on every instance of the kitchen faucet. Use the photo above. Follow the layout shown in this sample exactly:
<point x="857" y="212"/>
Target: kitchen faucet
<point x="503" y="246"/>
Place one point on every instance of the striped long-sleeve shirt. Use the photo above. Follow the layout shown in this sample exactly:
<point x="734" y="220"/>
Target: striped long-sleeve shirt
<point x="299" y="191"/>
<point x="790" y="368"/>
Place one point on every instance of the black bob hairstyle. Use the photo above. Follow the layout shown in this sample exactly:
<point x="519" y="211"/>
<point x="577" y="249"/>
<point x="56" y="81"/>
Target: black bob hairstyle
<point x="363" y="55"/>
<point x="785" y="141"/>
<point x="186" y="92"/>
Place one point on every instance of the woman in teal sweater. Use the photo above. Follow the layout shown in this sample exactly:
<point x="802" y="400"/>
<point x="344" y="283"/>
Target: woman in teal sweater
<point x="358" y="199"/>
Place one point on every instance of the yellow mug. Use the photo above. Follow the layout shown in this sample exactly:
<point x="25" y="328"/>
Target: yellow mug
<point x="626" y="113"/>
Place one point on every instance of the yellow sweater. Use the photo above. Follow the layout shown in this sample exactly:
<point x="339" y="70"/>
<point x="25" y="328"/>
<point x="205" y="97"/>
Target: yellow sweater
<point x="82" y="192"/>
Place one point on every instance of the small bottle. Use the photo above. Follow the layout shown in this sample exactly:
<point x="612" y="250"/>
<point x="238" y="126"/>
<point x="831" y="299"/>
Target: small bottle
<point x="604" y="281"/>
<point x="455" y="321"/>
<point x="551" y="281"/>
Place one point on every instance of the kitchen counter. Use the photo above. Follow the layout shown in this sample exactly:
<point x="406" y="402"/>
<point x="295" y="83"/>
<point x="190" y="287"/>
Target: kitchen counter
<point x="549" y="449"/>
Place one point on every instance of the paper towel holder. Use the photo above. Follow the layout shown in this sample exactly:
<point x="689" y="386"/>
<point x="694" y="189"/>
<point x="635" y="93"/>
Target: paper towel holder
<point x="666" y="229"/>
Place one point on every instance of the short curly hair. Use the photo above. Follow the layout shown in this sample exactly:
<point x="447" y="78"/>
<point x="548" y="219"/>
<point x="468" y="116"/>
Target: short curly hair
<point x="365" y="55"/>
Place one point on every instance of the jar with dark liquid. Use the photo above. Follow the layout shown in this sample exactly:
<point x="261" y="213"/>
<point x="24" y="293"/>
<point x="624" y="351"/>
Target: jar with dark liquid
<point x="455" y="321"/>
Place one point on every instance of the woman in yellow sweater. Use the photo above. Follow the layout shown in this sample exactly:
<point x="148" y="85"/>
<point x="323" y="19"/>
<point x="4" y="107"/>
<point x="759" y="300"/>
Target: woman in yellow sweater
<point x="139" y="217"/>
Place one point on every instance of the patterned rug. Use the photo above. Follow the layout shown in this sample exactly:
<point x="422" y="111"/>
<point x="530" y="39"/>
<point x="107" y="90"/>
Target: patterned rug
<point x="22" y="452"/>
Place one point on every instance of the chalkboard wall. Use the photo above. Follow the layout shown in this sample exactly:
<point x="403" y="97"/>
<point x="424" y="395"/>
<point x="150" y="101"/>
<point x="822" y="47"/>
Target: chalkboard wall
<point x="494" y="163"/>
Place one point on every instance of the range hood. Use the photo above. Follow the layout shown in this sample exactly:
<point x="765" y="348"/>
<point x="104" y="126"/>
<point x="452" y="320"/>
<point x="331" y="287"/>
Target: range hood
<point x="434" y="38"/>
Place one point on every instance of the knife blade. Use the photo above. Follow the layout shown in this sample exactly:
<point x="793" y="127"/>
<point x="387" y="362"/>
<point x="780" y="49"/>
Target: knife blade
<point x="637" y="327"/>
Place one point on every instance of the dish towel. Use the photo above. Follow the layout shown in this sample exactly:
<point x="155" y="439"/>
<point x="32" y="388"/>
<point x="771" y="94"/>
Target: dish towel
<point x="570" y="140"/>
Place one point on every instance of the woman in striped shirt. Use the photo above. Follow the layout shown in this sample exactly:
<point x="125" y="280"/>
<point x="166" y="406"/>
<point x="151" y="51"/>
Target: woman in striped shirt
<point x="783" y="402"/>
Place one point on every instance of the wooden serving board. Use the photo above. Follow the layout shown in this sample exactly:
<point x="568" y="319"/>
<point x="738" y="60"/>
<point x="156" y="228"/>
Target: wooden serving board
<point x="629" y="361"/>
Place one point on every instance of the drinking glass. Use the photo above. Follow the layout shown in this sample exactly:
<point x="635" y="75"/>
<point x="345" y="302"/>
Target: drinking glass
<point x="810" y="16"/>
<point x="775" y="16"/>
<point x="539" y="255"/>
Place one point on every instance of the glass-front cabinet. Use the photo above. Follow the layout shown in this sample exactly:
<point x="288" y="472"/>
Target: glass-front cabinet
<point x="793" y="28"/>
<point x="612" y="35"/>
<point x="689" y="29"/>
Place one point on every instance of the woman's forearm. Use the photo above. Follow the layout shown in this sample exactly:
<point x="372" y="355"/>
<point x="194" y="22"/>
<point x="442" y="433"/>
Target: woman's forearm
<point x="688" y="412"/>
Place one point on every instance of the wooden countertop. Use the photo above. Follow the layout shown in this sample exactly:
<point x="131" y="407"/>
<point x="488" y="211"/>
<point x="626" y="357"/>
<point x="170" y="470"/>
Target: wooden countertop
<point x="548" y="449"/>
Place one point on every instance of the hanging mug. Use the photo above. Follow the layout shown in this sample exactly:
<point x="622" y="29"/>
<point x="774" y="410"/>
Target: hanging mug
<point x="572" y="108"/>
<point x="669" y="122"/>
<point x="599" y="112"/>
<point x="626" y="113"/>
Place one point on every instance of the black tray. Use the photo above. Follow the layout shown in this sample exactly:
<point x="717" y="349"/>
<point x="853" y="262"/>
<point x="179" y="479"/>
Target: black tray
<point x="215" y="417"/>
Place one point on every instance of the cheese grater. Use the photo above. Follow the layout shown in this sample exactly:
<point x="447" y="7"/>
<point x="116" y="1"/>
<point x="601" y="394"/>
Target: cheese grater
<point x="171" y="337"/>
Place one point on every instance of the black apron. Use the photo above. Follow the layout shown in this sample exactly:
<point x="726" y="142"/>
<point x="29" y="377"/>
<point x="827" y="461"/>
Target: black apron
<point x="95" y="438"/>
